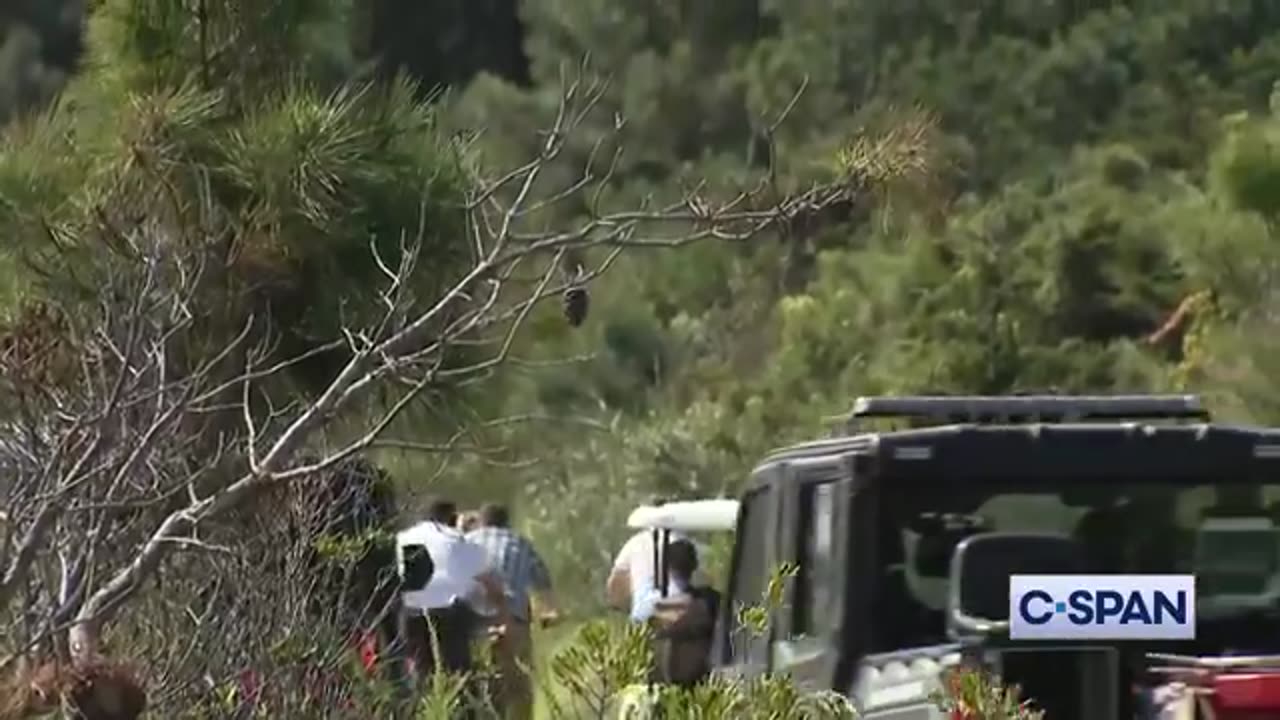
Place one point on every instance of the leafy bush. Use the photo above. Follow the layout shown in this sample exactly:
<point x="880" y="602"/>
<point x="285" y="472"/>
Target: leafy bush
<point x="972" y="694"/>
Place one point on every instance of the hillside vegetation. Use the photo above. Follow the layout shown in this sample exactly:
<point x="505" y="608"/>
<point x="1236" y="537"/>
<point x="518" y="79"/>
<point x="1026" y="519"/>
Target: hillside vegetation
<point x="1101" y="219"/>
<point x="1100" y="214"/>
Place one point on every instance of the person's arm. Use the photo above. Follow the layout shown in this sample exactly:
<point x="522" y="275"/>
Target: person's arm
<point x="617" y="589"/>
<point x="548" y="610"/>
<point x="491" y="583"/>
<point x="495" y="594"/>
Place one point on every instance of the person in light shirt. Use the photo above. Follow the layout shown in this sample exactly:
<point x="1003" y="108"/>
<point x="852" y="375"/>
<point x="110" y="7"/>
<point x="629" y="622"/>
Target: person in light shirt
<point x="528" y="585"/>
<point x="681" y="563"/>
<point x="633" y="570"/>
<point x="633" y="567"/>
<point x="460" y="577"/>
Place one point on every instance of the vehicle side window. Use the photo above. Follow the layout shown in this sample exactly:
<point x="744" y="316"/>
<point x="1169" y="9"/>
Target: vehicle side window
<point x="817" y="562"/>
<point x="750" y="569"/>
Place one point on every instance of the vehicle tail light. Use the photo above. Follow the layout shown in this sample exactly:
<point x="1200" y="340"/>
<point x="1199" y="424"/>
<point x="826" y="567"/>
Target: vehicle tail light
<point x="1245" y="696"/>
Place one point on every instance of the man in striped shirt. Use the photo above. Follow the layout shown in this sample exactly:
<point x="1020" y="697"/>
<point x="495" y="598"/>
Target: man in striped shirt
<point x="525" y="575"/>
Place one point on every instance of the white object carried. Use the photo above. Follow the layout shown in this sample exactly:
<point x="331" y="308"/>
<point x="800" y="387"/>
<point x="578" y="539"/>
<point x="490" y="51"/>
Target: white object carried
<point x="718" y="515"/>
<point x="663" y="524"/>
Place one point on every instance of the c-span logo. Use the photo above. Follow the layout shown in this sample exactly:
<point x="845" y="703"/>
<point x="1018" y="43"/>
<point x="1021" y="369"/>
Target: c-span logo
<point x="1102" y="607"/>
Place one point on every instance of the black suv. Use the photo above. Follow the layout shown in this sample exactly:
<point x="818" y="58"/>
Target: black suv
<point x="1133" y="484"/>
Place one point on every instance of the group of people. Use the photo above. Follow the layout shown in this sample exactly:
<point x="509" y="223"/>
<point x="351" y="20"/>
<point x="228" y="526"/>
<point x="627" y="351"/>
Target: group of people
<point x="469" y="574"/>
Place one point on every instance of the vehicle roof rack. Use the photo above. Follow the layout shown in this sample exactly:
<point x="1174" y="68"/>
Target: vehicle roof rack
<point x="946" y="409"/>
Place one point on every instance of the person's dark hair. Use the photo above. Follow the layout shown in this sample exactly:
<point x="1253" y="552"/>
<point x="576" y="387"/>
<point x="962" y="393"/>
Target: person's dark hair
<point x="682" y="558"/>
<point x="442" y="511"/>
<point x="494" y="515"/>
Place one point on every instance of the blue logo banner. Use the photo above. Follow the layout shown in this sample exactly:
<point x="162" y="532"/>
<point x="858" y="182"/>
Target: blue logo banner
<point x="1102" y="607"/>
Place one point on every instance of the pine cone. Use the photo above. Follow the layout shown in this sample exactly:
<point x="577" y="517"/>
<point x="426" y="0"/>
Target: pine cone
<point x="576" y="302"/>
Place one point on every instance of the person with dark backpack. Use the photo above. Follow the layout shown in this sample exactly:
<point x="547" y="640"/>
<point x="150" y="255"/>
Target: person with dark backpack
<point x="439" y="619"/>
<point x="683" y="620"/>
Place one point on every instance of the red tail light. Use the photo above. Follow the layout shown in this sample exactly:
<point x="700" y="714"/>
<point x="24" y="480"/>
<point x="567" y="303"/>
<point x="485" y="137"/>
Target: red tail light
<point x="1246" y="696"/>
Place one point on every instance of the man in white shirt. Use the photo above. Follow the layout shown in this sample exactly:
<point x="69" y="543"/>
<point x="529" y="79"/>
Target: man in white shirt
<point x="633" y="569"/>
<point x="460" y="576"/>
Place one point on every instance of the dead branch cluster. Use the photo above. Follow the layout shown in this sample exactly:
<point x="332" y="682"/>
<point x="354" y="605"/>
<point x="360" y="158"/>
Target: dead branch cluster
<point x="279" y="607"/>
<point x="94" y="451"/>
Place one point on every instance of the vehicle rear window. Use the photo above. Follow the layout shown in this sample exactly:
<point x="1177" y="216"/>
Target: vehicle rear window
<point x="1227" y="535"/>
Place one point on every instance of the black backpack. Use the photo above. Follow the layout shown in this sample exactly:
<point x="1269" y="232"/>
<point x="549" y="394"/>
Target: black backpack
<point x="418" y="567"/>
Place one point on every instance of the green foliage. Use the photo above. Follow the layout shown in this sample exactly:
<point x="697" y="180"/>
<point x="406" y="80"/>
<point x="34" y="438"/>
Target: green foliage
<point x="346" y="550"/>
<point x="443" y="695"/>
<point x="1084" y="185"/>
<point x="1244" y="169"/>
<point x="245" y="47"/>
<point x="329" y="176"/>
<point x="603" y="672"/>
<point x="603" y="660"/>
<point x="606" y="669"/>
<point x="762" y="698"/>
<point x="755" y="618"/>
<point x="213" y="123"/>
<point x="970" y="694"/>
